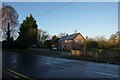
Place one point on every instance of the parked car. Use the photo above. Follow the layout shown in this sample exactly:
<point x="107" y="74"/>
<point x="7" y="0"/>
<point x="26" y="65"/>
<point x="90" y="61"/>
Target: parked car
<point x="54" y="48"/>
<point x="33" y="46"/>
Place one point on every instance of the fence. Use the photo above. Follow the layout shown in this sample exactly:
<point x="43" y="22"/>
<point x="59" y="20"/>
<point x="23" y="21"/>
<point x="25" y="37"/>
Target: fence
<point x="97" y="54"/>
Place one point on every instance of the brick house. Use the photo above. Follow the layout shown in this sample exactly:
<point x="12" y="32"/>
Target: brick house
<point x="71" y="42"/>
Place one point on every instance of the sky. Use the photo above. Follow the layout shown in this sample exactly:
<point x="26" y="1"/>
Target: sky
<point x="88" y="18"/>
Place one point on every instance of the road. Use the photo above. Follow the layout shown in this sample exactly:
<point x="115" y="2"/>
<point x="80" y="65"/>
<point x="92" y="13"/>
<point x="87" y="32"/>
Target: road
<point x="29" y="66"/>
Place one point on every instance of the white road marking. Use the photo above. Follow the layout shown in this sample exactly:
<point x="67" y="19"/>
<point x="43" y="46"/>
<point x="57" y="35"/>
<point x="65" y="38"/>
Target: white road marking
<point x="8" y="71"/>
<point x="11" y="74"/>
<point x="107" y="74"/>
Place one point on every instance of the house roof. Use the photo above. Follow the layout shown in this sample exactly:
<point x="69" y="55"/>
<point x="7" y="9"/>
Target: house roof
<point x="69" y="37"/>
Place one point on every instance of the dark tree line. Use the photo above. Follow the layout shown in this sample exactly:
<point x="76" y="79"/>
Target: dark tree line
<point x="52" y="42"/>
<point x="28" y="33"/>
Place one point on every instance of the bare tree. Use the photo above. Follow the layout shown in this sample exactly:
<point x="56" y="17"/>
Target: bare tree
<point x="42" y="36"/>
<point x="62" y="35"/>
<point x="9" y="22"/>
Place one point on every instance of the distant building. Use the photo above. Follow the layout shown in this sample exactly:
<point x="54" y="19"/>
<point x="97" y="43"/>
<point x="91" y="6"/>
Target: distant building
<point x="71" y="42"/>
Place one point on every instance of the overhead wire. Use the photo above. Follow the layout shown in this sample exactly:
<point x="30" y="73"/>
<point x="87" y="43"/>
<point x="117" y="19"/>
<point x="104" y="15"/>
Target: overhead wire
<point x="51" y="10"/>
<point x="56" y="8"/>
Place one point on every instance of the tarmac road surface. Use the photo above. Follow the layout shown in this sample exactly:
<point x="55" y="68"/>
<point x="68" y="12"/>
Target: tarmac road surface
<point x="23" y="65"/>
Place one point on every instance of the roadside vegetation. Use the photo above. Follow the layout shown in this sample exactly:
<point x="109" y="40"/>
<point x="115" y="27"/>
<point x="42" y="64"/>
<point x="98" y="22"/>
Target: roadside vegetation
<point x="100" y="49"/>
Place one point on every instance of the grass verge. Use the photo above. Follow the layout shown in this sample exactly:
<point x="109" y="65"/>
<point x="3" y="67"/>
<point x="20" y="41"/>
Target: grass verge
<point x="46" y="52"/>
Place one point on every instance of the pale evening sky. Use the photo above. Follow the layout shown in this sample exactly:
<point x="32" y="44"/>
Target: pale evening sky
<point x="89" y="18"/>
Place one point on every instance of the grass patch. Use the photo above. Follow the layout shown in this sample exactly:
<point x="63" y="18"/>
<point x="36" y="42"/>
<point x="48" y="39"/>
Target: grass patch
<point x="45" y="52"/>
<point x="93" y="59"/>
<point x="33" y="52"/>
<point x="84" y="58"/>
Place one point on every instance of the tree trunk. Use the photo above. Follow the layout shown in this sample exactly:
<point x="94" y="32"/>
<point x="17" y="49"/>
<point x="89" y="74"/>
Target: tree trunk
<point x="8" y="32"/>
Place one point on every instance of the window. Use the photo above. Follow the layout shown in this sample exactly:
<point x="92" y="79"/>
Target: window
<point x="75" y="40"/>
<point x="82" y="41"/>
<point x="65" y="40"/>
